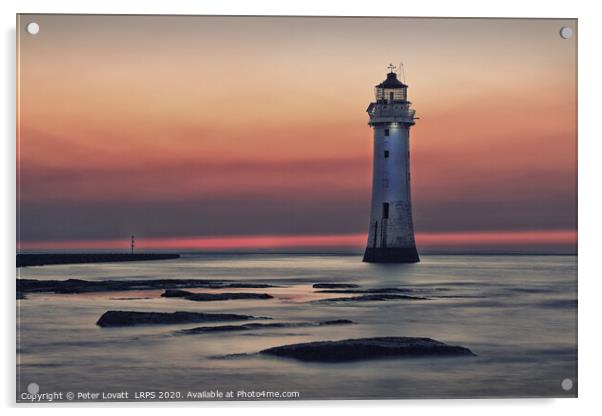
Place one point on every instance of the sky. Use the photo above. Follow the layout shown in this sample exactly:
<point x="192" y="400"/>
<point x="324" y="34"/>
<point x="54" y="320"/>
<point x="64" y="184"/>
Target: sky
<point x="231" y="132"/>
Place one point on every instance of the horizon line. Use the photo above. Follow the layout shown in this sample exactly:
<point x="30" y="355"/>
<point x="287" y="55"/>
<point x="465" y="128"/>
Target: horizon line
<point x="437" y="241"/>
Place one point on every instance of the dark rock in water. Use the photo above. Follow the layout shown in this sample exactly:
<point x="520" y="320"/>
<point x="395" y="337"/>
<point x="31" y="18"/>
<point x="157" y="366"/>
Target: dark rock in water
<point x="86" y="286"/>
<point x="132" y="318"/>
<point x="334" y="286"/>
<point x="73" y="258"/>
<point x="367" y="348"/>
<point x="371" y="298"/>
<point x="336" y="322"/>
<point x="207" y="297"/>
<point x="251" y="326"/>
<point x="175" y="293"/>
<point x="21" y="295"/>
<point x="375" y="290"/>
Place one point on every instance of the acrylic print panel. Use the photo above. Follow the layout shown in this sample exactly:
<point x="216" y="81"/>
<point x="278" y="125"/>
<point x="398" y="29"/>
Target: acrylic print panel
<point x="287" y="208"/>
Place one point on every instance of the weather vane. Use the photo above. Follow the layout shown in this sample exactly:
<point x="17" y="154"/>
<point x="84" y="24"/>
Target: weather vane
<point x="391" y="67"/>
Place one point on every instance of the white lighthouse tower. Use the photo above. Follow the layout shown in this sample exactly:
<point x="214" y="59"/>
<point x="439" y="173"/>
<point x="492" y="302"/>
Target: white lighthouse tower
<point x="391" y="234"/>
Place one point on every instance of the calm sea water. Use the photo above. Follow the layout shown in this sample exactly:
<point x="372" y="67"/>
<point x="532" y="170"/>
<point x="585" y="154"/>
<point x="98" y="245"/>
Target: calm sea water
<point x="517" y="313"/>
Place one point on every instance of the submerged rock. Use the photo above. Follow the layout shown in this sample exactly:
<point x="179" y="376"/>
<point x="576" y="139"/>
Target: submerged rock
<point x="251" y="326"/>
<point x="85" y="286"/>
<point x="375" y="290"/>
<point x="207" y="297"/>
<point x="132" y="318"/>
<point x="175" y="293"/>
<point x="334" y="286"/>
<point x="371" y="298"/>
<point x="24" y="260"/>
<point x="367" y="348"/>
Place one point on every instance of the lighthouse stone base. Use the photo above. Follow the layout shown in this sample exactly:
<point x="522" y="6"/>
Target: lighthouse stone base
<point x="391" y="255"/>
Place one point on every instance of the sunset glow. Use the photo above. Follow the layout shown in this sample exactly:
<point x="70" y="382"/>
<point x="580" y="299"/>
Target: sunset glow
<point x="219" y="133"/>
<point x="506" y="239"/>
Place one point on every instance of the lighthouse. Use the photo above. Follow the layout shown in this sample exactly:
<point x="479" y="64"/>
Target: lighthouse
<point x="391" y="232"/>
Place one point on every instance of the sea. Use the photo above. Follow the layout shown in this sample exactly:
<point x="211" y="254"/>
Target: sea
<point x="517" y="313"/>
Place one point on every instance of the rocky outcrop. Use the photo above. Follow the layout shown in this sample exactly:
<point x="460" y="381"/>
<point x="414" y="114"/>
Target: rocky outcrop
<point x="375" y="290"/>
<point x="252" y="326"/>
<point x="73" y="258"/>
<point x="208" y="297"/>
<point x="367" y="348"/>
<point x="175" y="293"/>
<point x="371" y="298"/>
<point x="85" y="286"/>
<point x="133" y="318"/>
<point x="334" y="286"/>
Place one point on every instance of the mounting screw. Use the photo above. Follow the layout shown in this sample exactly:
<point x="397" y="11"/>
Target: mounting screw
<point x="32" y="28"/>
<point x="567" y="384"/>
<point x="566" y="32"/>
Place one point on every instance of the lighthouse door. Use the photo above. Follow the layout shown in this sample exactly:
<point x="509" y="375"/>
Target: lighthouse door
<point x="385" y="221"/>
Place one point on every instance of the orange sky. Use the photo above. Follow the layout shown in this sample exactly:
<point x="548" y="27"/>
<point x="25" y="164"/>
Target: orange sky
<point x="209" y="127"/>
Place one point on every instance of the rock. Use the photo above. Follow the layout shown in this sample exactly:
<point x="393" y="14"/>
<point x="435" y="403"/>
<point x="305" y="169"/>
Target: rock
<point x="175" y="293"/>
<point x="367" y="348"/>
<point x="24" y="260"/>
<point x="207" y="297"/>
<point x="86" y="286"/>
<point x="371" y="298"/>
<point x="251" y="326"/>
<point x="334" y="286"/>
<point x="336" y="322"/>
<point x="21" y="295"/>
<point x="375" y="290"/>
<point x="132" y="318"/>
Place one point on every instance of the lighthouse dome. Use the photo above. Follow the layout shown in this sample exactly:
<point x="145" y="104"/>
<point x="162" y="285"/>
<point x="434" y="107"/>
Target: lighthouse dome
<point x="392" y="82"/>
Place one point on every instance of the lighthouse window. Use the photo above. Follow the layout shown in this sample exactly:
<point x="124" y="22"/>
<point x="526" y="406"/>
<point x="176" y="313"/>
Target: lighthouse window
<point x="385" y="210"/>
<point x="386" y="154"/>
<point x="386" y="132"/>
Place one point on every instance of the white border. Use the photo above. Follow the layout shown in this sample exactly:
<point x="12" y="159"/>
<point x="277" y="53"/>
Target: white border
<point x="590" y="138"/>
